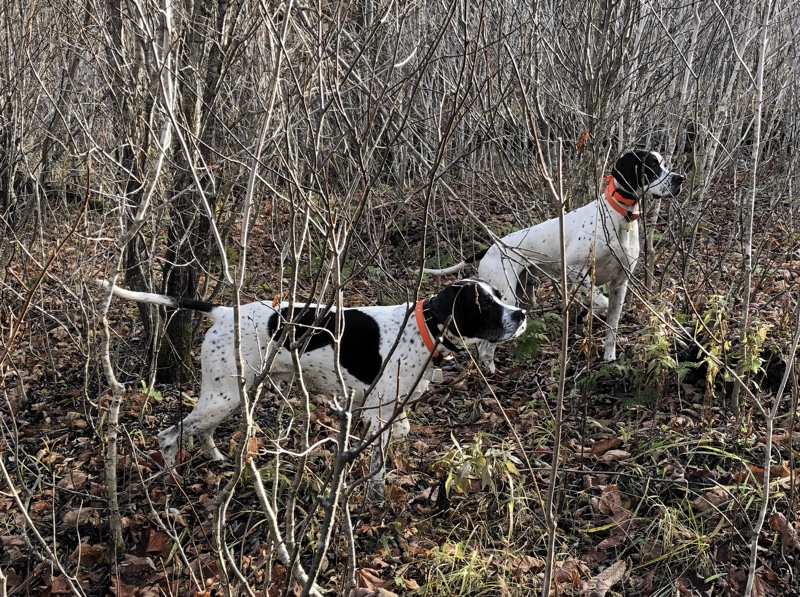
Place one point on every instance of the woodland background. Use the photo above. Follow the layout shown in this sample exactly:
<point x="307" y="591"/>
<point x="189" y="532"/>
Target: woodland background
<point x="240" y="150"/>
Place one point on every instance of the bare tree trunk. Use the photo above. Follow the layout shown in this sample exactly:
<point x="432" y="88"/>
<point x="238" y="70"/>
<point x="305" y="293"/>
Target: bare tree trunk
<point x="550" y="515"/>
<point x="189" y="244"/>
<point x="126" y="65"/>
<point x="749" y="207"/>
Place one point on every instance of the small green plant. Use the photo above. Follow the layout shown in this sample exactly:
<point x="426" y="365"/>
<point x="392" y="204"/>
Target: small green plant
<point x="469" y="463"/>
<point x="754" y="339"/>
<point x="530" y="343"/>
<point x="714" y="335"/>
<point x="656" y="362"/>
<point x="151" y="393"/>
<point x="439" y="258"/>
<point x="620" y="373"/>
<point x="458" y="568"/>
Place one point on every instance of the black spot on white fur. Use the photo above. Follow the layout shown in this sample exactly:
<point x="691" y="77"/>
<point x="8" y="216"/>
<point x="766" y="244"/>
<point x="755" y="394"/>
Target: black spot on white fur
<point x="359" y="352"/>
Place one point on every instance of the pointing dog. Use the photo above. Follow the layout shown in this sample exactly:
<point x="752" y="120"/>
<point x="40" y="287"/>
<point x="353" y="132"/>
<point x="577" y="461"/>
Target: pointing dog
<point x="466" y="312"/>
<point x="602" y="236"/>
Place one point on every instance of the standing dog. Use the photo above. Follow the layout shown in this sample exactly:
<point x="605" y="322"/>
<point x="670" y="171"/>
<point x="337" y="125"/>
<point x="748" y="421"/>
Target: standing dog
<point x="466" y="312"/>
<point x="601" y="244"/>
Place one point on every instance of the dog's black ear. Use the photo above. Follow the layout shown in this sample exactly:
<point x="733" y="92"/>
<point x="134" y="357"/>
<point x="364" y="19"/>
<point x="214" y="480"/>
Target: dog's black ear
<point x="627" y="171"/>
<point x="636" y="169"/>
<point x="441" y="304"/>
<point x="449" y="301"/>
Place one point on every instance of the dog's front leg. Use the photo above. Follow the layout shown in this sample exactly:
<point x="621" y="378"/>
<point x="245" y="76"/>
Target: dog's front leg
<point x="217" y="401"/>
<point x="616" y="298"/>
<point x="486" y="355"/>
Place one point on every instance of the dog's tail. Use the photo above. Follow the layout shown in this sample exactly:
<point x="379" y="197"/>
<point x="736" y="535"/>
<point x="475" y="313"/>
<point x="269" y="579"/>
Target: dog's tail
<point x="448" y="270"/>
<point x="457" y="267"/>
<point x="159" y="299"/>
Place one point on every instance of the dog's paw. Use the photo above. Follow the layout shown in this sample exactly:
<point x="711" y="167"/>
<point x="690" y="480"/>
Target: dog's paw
<point x="215" y="455"/>
<point x="376" y="491"/>
<point x="489" y="367"/>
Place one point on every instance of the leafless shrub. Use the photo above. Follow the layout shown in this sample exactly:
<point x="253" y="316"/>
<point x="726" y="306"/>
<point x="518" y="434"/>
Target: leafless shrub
<point x="249" y="150"/>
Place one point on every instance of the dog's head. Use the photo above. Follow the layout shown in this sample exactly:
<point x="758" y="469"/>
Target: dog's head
<point x="646" y="171"/>
<point x="476" y="313"/>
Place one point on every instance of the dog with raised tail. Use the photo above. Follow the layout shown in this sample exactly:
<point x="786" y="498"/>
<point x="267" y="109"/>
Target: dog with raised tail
<point x="464" y="313"/>
<point x="601" y="244"/>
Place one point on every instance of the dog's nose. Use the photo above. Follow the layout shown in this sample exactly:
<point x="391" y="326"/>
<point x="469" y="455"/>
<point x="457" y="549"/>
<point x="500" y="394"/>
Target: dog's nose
<point x="521" y="323"/>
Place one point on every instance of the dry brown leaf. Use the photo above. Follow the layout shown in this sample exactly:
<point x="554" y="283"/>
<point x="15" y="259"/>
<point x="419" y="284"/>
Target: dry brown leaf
<point x="9" y="541"/>
<point x="609" y="502"/>
<point x="614" y="456"/>
<point x="593" y="557"/>
<point x="602" y="583"/>
<point x="40" y="506"/>
<point x="121" y="589"/>
<point x="570" y="571"/>
<point x="362" y="592"/>
<point x="89" y="555"/>
<point x="711" y="499"/>
<point x="81" y="516"/>
<point x="521" y="565"/>
<point x="59" y="586"/>
<point x="789" y="535"/>
<point x="691" y="583"/>
<point x="252" y="448"/>
<point x="779" y="471"/>
<point x="612" y="542"/>
<point x="73" y="479"/>
<point x="594" y="480"/>
<point x="411" y="584"/>
<point x="154" y="541"/>
<point x="582" y="139"/>
<point x="604" y="445"/>
<point x="368" y="578"/>
<point x="767" y="583"/>
<point x="279" y="578"/>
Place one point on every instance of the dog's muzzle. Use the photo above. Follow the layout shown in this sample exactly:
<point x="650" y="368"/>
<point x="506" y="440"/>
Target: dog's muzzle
<point x="671" y="187"/>
<point x="518" y="321"/>
<point x="676" y="183"/>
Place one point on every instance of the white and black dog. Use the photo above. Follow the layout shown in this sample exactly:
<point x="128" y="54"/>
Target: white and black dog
<point x="601" y="243"/>
<point x="464" y="313"/>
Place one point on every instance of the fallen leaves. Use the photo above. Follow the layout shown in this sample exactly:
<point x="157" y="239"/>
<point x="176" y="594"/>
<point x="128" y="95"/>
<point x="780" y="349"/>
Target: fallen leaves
<point x="711" y="499"/>
<point x="602" y="583"/>
<point x="790" y="539"/>
<point x="623" y="470"/>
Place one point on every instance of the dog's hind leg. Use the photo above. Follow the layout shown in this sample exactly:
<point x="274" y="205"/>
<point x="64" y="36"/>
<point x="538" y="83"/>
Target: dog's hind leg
<point x="206" y="437"/>
<point x="211" y="409"/>
<point x="616" y="299"/>
<point x="583" y="279"/>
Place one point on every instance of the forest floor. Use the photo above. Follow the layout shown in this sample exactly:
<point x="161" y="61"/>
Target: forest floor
<point x="659" y="485"/>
